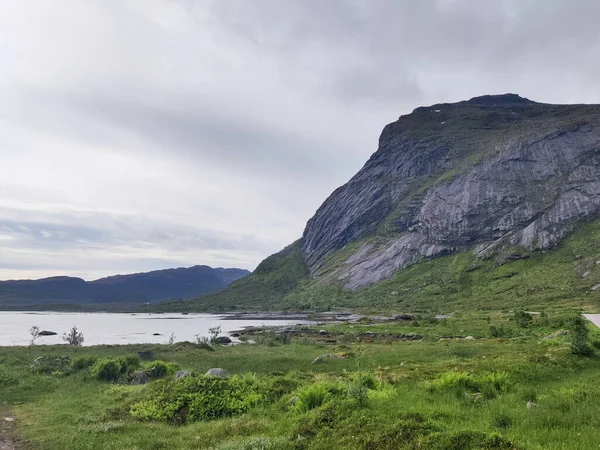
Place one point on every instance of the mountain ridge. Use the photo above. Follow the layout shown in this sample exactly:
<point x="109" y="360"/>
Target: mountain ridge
<point x="498" y="179"/>
<point x="152" y="286"/>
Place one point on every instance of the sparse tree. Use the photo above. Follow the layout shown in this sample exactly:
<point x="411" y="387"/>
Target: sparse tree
<point x="34" y="331"/>
<point x="171" y="339"/>
<point x="214" y="333"/>
<point x="73" y="337"/>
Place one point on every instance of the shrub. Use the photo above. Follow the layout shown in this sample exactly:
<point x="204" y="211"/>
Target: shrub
<point x="83" y="362"/>
<point x="452" y="380"/>
<point x="114" y="369"/>
<point x="522" y="319"/>
<point x="107" y="370"/>
<point x="579" y="337"/>
<point x="159" y="369"/>
<point x="194" y="399"/>
<point x="204" y="343"/>
<point x="312" y="396"/>
<point x="490" y="385"/>
<point x="73" y="337"/>
<point x="359" y="393"/>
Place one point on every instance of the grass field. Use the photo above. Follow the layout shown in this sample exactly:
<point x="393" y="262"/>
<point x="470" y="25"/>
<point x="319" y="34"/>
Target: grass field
<point x="442" y="391"/>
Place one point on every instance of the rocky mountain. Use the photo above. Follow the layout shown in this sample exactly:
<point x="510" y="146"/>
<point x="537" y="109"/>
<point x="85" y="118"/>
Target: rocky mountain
<point x="139" y="287"/>
<point x="499" y="178"/>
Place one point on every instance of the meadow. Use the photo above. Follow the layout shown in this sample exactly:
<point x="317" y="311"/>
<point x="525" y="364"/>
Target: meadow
<point x="472" y="381"/>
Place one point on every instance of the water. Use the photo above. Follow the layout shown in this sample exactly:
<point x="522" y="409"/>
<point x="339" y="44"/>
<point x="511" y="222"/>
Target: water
<point x="107" y="328"/>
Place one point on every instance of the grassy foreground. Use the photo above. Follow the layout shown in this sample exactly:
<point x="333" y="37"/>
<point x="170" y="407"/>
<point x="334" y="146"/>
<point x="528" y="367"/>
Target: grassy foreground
<point x="419" y="384"/>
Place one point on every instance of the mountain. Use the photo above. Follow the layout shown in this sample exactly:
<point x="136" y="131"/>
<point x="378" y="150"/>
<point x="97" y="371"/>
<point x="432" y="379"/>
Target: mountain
<point x="461" y="202"/>
<point x="139" y="287"/>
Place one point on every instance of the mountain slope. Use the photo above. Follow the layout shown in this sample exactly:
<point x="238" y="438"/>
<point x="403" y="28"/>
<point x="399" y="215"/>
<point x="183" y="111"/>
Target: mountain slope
<point x="491" y="178"/>
<point x="140" y="287"/>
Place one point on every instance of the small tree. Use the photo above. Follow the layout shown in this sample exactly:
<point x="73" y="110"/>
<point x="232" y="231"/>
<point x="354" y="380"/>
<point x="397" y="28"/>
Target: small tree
<point x="171" y="339"/>
<point x="73" y="337"/>
<point x="214" y="333"/>
<point x="579" y="337"/>
<point x="34" y="331"/>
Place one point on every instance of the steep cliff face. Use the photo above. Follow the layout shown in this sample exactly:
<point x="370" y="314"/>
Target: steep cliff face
<point x="486" y="174"/>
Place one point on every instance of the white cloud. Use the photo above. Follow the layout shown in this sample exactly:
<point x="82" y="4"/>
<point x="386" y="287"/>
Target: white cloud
<point x="142" y="134"/>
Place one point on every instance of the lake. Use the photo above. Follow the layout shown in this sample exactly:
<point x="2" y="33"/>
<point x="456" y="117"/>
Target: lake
<point x="112" y="328"/>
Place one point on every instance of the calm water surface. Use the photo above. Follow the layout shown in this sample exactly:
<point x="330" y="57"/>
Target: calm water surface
<point x="107" y="328"/>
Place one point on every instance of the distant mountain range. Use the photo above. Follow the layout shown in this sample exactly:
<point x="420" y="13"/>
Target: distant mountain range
<point x="181" y="283"/>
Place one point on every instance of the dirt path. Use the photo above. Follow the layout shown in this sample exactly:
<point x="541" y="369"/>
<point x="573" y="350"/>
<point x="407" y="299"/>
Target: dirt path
<point x="8" y="439"/>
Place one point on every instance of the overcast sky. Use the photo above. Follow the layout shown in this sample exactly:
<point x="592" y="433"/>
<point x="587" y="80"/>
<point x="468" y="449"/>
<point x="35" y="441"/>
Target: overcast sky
<point x="146" y="134"/>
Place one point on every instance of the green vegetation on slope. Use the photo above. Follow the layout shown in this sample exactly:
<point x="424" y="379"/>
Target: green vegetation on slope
<point x="519" y="391"/>
<point x="559" y="278"/>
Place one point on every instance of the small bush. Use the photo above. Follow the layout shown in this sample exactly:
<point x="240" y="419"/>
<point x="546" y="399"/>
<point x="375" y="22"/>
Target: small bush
<point x="522" y="319"/>
<point x="453" y="380"/>
<point x="193" y="399"/>
<point x="73" y="337"/>
<point x="83" y="362"/>
<point x="114" y="369"/>
<point x="490" y="385"/>
<point x="579" y="337"/>
<point x="160" y="369"/>
<point x="312" y="396"/>
<point x="359" y="393"/>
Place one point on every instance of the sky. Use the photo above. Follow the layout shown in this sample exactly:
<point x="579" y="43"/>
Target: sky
<point x="146" y="134"/>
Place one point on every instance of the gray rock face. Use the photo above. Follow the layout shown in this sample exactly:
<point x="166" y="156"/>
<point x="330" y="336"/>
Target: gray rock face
<point x="490" y="173"/>
<point x="217" y="372"/>
<point x="182" y="374"/>
<point x="141" y="378"/>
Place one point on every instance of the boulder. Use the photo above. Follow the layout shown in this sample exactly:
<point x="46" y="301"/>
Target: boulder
<point x="156" y="334"/>
<point x="404" y="317"/>
<point x="146" y="355"/>
<point x="323" y="332"/>
<point x="141" y="378"/>
<point x="235" y="335"/>
<point x="217" y="372"/>
<point x="47" y="333"/>
<point x="223" y="340"/>
<point x="182" y="374"/>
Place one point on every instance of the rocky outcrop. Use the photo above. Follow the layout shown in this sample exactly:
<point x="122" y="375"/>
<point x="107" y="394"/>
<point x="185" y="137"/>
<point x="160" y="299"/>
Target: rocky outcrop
<point x="487" y="174"/>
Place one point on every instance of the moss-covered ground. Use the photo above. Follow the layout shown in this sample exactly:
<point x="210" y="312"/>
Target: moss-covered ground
<point x="506" y="387"/>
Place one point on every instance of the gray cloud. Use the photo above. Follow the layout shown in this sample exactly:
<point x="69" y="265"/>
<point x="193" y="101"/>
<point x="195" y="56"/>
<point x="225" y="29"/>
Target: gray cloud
<point x="139" y="135"/>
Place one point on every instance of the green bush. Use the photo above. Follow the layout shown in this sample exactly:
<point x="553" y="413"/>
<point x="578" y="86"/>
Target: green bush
<point x="522" y="319"/>
<point x="579" y="337"/>
<point x="194" y="399"/>
<point x="114" y="369"/>
<point x="313" y="396"/>
<point x="83" y="362"/>
<point x="490" y="385"/>
<point x="160" y="369"/>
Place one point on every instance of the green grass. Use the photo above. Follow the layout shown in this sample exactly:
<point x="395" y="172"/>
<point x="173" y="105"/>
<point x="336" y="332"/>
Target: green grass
<point x="439" y="392"/>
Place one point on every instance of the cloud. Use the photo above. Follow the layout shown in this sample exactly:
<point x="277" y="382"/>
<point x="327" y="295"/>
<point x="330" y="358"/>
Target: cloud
<point x="144" y="134"/>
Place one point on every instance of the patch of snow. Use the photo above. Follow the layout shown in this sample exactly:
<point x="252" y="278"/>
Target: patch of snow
<point x="437" y="110"/>
<point x="442" y="123"/>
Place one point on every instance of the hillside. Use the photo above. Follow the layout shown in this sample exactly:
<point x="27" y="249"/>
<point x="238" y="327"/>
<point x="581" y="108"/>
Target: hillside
<point x="459" y="203"/>
<point x="134" y="288"/>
